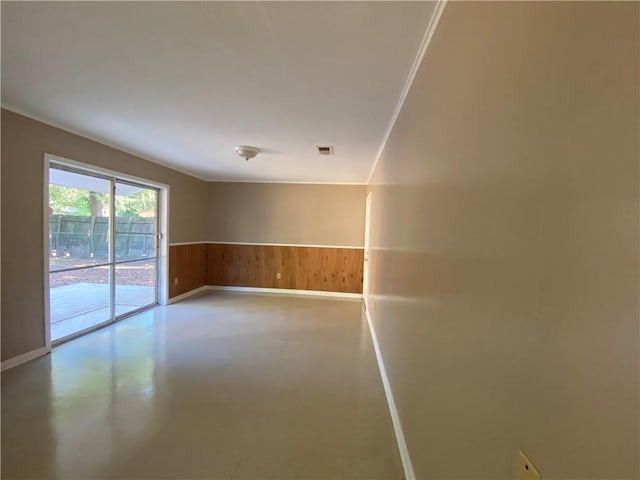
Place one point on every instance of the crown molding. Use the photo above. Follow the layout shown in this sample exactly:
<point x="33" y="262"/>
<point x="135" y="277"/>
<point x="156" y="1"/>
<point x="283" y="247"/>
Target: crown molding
<point x="424" y="45"/>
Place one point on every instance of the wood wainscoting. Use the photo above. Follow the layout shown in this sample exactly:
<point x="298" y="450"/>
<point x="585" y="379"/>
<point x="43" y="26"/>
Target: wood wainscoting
<point x="187" y="263"/>
<point x="327" y="269"/>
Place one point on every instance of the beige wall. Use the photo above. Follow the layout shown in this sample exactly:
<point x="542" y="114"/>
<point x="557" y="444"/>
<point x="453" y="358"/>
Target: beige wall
<point x="505" y="240"/>
<point x="287" y="213"/>
<point x="230" y="212"/>
<point x="24" y="143"/>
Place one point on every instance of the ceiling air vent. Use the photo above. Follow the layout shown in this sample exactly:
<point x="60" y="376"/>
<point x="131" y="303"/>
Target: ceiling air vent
<point x="322" y="150"/>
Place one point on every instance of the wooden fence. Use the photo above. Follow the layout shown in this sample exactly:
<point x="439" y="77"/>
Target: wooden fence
<point x="88" y="237"/>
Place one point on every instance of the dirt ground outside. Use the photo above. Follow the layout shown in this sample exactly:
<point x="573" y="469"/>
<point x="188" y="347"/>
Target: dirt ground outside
<point x="139" y="273"/>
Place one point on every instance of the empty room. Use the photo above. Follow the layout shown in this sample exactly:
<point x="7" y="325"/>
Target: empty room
<point x="320" y="240"/>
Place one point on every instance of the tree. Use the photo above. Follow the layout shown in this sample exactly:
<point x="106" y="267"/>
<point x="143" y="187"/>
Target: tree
<point x="133" y="205"/>
<point x="78" y="201"/>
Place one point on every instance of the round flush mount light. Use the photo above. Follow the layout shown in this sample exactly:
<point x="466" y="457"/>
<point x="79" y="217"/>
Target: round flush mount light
<point x="246" y="152"/>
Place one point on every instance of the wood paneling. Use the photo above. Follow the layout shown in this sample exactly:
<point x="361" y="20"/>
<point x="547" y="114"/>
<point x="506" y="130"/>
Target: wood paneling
<point x="187" y="263"/>
<point x="301" y="268"/>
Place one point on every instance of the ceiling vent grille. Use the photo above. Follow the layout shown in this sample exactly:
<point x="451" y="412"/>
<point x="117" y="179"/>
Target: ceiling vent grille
<point x="324" y="150"/>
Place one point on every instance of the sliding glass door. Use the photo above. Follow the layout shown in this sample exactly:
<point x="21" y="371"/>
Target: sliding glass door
<point x="103" y="250"/>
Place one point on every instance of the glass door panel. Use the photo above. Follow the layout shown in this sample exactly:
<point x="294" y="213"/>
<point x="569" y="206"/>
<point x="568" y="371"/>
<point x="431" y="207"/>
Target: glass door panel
<point x="79" y="208"/>
<point x="79" y="299"/>
<point x="135" y="285"/>
<point x="136" y="222"/>
<point x="79" y="256"/>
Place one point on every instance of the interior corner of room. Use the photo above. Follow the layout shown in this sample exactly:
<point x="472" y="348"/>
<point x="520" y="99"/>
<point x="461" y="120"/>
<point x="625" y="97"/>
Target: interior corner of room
<point x="320" y="240"/>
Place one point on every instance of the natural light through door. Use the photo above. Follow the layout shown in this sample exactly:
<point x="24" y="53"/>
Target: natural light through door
<point x="101" y="265"/>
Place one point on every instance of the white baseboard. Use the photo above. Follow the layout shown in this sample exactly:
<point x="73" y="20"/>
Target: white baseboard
<point x="188" y="294"/>
<point x="24" y="358"/>
<point x="279" y="291"/>
<point x="409" y="474"/>
<point x="287" y="291"/>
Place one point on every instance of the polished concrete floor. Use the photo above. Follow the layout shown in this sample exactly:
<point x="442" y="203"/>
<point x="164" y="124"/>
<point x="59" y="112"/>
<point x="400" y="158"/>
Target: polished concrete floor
<point x="221" y="386"/>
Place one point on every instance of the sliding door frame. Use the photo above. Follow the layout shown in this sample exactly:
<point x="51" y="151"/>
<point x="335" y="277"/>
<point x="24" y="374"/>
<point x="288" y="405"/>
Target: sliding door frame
<point x="162" y="221"/>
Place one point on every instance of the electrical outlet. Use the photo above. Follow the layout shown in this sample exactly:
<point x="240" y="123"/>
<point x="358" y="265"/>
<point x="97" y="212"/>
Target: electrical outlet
<point x="175" y="281"/>
<point x="278" y="276"/>
<point x="526" y="469"/>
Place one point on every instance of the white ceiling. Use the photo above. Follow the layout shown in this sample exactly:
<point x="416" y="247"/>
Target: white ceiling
<point x="182" y="83"/>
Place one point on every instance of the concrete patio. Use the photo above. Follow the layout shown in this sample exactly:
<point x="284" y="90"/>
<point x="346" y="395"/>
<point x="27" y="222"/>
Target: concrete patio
<point x="83" y="305"/>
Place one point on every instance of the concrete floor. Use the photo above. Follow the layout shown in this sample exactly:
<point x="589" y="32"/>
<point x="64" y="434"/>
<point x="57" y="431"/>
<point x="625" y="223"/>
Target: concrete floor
<point x="220" y="386"/>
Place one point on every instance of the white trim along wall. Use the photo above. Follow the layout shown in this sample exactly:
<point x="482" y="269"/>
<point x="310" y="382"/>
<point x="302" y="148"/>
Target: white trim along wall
<point x="265" y="244"/>
<point x="267" y="291"/>
<point x="24" y="358"/>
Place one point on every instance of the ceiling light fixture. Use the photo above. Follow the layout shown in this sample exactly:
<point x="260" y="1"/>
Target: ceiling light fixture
<point x="246" y="152"/>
